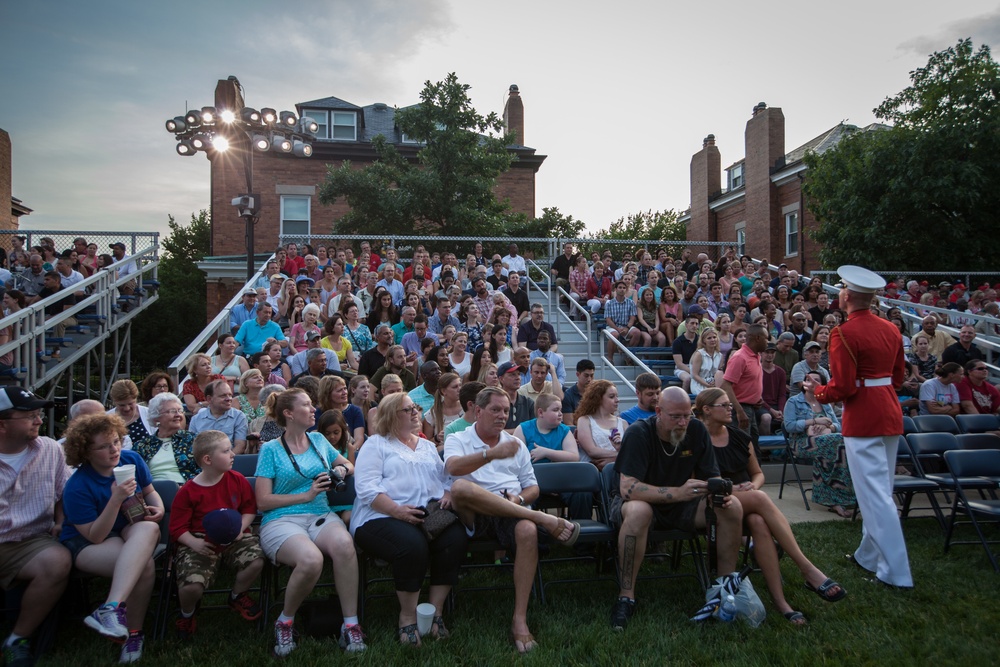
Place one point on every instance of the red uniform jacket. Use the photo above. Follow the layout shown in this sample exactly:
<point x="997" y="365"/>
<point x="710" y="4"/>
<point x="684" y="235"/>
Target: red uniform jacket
<point x="863" y="347"/>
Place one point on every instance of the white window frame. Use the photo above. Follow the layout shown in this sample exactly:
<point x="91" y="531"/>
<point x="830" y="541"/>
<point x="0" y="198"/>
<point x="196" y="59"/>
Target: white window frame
<point x="736" y="179"/>
<point x="336" y="116"/>
<point x="285" y="199"/>
<point x="322" y="118"/>
<point x="741" y="241"/>
<point x="792" y="230"/>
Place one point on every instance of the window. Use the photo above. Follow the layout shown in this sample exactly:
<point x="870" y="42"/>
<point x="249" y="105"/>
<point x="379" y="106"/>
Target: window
<point x="322" y="119"/>
<point x="345" y="126"/>
<point x="736" y="177"/>
<point x="791" y="233"/>
<point x="741" y="242"/>
<point x="295" y="216"/>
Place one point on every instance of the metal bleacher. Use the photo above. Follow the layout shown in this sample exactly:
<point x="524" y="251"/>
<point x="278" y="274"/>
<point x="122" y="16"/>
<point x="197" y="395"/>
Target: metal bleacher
<point x="95" y="348"/>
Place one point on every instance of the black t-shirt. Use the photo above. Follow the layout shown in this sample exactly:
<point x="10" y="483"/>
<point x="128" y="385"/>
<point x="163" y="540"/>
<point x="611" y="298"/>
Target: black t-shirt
<point x="644" y="456"/>
<point x="561" y="265"/>
<point x="521" y="411"/>
<point x="685" y="347"/>
<point x="61" y="304"/>
<point x="370" y="362"/>
<point x="520" y="300"/>
<point x="734" y="457"/>
<point x="955" y="352"/>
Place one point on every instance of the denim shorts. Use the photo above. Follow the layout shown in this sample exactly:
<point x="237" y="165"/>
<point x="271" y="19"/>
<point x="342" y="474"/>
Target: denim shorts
<point x="79" y="543"/>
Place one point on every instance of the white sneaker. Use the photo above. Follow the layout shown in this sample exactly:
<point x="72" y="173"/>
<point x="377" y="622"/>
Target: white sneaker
<point x="132" y="648"/>
<point x="107" y="621"/>
<point x="352" y="639"/>
<point x="284" y="638"/>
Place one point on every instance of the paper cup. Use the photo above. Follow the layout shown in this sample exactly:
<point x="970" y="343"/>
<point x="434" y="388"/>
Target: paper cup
<point x="124" y="473"/>
<point x="425" y="617"/>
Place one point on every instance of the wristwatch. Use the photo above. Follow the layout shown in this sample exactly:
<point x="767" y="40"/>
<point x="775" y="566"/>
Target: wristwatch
<point x="520" y="499"/>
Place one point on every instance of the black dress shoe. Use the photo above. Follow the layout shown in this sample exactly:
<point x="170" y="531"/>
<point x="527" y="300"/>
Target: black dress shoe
<point x="851" y="559"/>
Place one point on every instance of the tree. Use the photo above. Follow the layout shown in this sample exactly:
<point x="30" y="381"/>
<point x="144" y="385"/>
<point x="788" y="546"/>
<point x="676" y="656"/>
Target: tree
<point x="923" y="193"/>
<point x="448" y="190"/>
<point x="658" y="226"/>
<point x="178" y="316"/>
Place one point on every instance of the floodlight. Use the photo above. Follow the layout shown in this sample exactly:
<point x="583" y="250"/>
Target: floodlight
<point x="185" y="148"/>
<point x="176" y="124"/>
<point x="302" y="149"/>
<point x="220" y="143"/>
<point x="260" y="142"/>
<point x="208" y="115"/>
<point x="227" y="116"/>
<point x="308" y="126"/>
<point x="201" y="141"/>
<point x="193" y="118"/>
<point x="250" y="115"/>
<point x="288" y="119"/>
<point x="280" y="143"/>
<point x="269" y="116"/>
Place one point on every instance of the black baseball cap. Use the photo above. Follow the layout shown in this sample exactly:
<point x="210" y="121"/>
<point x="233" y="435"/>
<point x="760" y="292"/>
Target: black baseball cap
<point x="16" y="398"/>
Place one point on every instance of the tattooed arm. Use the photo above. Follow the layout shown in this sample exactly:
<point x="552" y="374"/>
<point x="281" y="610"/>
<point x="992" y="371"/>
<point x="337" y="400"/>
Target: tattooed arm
<point x="635" y="489"/>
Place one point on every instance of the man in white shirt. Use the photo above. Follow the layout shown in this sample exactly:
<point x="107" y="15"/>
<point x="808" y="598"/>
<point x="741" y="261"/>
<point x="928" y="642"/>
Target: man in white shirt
<point x="493" y="489"/>
<point x="127" y="269"/>
<point x="515" y="262"/>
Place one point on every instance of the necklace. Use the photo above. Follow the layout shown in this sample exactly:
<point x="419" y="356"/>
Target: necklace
<point x="663" y="446"/>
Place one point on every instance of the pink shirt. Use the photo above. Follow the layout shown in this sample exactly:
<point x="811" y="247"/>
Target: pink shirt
<point x="28" y="499"/>
<point x="744" y="372"/>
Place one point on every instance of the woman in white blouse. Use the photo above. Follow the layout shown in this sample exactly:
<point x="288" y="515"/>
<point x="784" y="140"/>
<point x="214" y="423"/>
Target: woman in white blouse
<point x="599" y="429"/>
<point x="397" y="474"/>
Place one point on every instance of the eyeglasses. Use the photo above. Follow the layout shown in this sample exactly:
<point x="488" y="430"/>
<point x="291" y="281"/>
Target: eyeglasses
<point x="174" y="411"/>
<point x="980" y="368"/>
<point x="30" y="416"/>
<point x="728" y="406"/>
<point x="680" y="418"/>
<point x="413" y="409"/>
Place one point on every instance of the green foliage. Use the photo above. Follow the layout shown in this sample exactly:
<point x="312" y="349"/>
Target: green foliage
<point x="551" y="224"/>
<point x="448" y="190"/>
<point x="167" y="326"/>
<point x="658" y="227"/>
<point x="923" y="194"/>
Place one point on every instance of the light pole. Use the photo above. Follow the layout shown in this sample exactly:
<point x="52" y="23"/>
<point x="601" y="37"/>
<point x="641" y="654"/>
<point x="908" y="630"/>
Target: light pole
<point x="230" y="127"/>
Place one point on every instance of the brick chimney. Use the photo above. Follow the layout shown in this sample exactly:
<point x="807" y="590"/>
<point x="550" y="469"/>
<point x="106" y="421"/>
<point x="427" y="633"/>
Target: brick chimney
<point x="7" y="220"/>
<point x="765" y="151"/>
<point x="513" y="115"/>
<point x="706" y="184"/>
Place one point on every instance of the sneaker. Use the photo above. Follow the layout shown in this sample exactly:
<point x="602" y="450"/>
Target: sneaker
<point x="352" y="639"/>
<point x="621" y="613"/>
<point x="185" y="628"/>
<point x="132" y="649"/>
<point x="284" y="638"/>
<point x="245" y="607"/>
<point x="108" y="621"/>
<point x="18" y="654"/>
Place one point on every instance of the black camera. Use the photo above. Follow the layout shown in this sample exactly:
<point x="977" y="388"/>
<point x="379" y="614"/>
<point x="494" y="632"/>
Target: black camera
<point x="719" y="488"/>
<point x="336" y="480"/>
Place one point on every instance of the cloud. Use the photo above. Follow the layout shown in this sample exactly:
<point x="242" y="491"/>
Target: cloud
<point x="983" y="29"/>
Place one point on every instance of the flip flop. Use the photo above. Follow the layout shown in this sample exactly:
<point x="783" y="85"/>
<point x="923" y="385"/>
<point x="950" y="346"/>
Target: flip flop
<point x="796" y="618"/>
<point x="840" y="511"/>
<point x="573" y="536"/>
<point x="409" y="636"/>
<point x="527" y="642"/>
<point x="824" y="589"/>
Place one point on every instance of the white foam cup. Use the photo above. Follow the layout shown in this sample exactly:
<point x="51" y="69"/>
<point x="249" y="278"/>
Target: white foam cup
<point x="124" y="473"/>
<point x="425" y="617"/>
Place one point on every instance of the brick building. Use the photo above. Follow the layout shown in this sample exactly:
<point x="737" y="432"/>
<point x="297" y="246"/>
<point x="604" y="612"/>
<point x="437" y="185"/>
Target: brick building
<point x="289" y="185"/>
<point x="757" y="202"/>
<point x="17" y="207"/>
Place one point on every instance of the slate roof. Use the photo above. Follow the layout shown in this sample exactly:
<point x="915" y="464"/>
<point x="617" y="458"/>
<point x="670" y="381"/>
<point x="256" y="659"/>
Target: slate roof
<point x="329" y="103"/>
<point x="828" y="140"/>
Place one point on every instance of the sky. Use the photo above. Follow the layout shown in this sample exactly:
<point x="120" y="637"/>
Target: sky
<point x="618" y="97"/>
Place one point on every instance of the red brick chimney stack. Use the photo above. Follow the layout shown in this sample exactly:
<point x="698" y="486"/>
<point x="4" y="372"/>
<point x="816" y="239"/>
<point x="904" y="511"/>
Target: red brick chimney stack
<point x="513" y="115"/>
<point x="706" y="183"/>
<point x="765" y="150"/>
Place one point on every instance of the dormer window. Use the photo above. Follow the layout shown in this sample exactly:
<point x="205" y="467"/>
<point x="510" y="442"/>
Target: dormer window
<point x="736" y="177"/>
<point x="344" y="125"/>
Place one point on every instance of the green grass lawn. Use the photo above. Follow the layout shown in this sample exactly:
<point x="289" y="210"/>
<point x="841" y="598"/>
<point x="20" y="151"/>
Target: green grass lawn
<point x="949" y="619"/>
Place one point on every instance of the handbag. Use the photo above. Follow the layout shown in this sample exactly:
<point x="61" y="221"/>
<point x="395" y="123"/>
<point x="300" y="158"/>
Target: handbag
<point x="437" y="519"/>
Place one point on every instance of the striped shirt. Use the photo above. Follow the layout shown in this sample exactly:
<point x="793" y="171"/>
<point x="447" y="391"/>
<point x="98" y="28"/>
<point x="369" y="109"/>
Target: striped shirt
<point x="619" y="312"/>
<point x="28" y="498"/>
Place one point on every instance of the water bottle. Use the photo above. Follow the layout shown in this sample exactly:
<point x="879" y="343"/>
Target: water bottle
<point x="727" y="610"/>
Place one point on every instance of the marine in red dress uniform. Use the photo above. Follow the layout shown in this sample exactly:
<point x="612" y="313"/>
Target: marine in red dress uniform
<point x="866" y="363"/>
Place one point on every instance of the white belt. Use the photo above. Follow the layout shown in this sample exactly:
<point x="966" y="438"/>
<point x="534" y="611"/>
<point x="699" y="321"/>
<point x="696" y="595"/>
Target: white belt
<point x="874" y="382"/>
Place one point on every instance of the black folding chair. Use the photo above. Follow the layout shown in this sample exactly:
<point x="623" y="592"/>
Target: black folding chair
<point x="936" y="424"/>
<point x="908" y="425"/>
<point x="555" y="482"/>
<point x="905" y="487"/>
<point x="974" y="464"/>
<point x="246" y="464"/>
<point x="679" y="538"/>
<point x="795" y="459"/>
<point x="978" y="440"/>
<point x="977" y="423"/>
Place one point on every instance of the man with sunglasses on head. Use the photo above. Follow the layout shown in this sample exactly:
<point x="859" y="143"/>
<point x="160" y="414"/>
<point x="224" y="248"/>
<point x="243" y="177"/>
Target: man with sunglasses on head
<point x="33" y="473"/>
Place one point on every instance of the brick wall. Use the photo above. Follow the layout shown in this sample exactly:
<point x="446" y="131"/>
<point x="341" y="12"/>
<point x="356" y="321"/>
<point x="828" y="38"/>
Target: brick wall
<point x="706" y="182"/>
<point x="765" y="146"/>
<point x="7" y="220"/>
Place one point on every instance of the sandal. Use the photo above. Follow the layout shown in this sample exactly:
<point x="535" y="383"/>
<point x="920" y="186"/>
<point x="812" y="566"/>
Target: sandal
<point x="409" y="635"/>
<point x="840" y="511"/>
<point x="796" y="618"/>
<point x="824" y="590"/>
<point x="573" y="536"/>
<point x="442" y="632"/>
<point x="527" y="642"/>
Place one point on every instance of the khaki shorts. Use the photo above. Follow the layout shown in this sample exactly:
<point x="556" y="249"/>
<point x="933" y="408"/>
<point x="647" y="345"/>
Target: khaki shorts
<point x="274" y="533"/>
<point x="196" y="568"/>
<point x="15" y="555"/>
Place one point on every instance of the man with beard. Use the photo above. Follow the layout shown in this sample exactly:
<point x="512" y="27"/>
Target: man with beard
<point x="663" y="464"/>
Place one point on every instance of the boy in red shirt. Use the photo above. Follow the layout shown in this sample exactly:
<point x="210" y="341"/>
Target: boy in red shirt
<point x="216" y="487"/>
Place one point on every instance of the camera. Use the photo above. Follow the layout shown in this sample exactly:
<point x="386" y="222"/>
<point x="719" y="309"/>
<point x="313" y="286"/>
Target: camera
<point x="719" y="488"/>
<point x="336" y="480"/>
